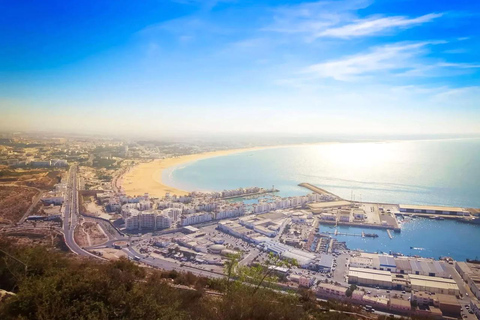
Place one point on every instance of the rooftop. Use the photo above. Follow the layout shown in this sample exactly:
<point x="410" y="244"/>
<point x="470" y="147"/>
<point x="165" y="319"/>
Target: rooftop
<point x="436" y="208"/>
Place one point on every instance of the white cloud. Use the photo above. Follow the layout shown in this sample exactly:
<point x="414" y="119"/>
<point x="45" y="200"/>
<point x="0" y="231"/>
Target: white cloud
<point x="388" y="58"/>
<point x="339" y="20"/>
<point x="459" y="65"/>
<point x="372" y="26"/>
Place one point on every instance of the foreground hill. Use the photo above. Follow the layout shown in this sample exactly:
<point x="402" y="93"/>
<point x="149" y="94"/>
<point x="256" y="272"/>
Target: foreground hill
<point x="47" y="284"/>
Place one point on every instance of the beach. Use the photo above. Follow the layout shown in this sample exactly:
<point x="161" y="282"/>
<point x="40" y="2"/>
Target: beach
<point x="147" y="177"/>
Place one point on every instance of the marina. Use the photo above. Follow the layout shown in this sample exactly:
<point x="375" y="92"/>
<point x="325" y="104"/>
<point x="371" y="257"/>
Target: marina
<point x="371" y="185"/>
<point x="419" y="237"/>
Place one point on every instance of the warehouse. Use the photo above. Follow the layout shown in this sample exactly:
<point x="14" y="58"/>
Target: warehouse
<point x="324" y="263"/>
<point x="369" y="277"/>
<point x="387" y="263"/>
<point x="449" y="305"/>
<point x="433" y="210"/>
<point x="433" y="284"/>
<point x="423" y="267"/>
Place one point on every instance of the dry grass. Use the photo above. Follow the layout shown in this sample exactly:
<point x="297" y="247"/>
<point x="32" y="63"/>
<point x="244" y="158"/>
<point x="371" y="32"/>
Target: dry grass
<point x="14" y="202"/>
<point x="89" y="234"/>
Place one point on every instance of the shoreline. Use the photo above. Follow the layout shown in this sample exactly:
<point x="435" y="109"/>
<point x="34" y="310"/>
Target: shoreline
<point x="146" y="177"/>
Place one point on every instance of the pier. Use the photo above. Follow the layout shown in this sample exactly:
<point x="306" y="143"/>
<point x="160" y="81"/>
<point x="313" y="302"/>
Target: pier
<point x="336" y="233"/>
<point x="389" y="234"/>
<point x="318" y="190"/>
<point x="250" y="194"/>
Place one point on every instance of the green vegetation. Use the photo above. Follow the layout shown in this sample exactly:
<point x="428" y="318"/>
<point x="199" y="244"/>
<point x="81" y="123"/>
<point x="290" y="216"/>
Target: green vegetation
<point x="13" y="173"/>
<point x="53" y="285"/>
<point x="350" y="290"/>
<point x="104" y="163"/>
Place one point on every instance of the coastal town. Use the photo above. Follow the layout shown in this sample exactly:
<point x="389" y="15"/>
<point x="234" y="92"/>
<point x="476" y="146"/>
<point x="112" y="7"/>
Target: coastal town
<point x="89" y="196"/>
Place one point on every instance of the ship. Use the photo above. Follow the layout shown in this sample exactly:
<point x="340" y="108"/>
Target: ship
<point x="473" y="221"/>
<point x="371" y="235"/>
<point x="476" y="261"/>
<point x="415" y="248"/>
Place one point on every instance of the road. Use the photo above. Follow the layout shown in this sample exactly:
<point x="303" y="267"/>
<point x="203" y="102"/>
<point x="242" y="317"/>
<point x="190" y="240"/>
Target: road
<point x="35" y="200"/>
<point x="169" y="265"/>
<point x="464" y="300"/>
<point x="71" y="214"/>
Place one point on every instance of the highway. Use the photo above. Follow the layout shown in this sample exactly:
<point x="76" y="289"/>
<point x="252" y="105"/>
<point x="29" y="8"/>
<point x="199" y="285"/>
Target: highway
<point x="71" y="214"/>
<point x="169" y="265"/>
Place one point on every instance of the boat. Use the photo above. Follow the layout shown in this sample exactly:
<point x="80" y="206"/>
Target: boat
<point x="476" y="261"/>
<point x="439" y="218"/>
<point x="474" y="220"/>
<point x="396" y="254"/>
<point x="371" y="235"/>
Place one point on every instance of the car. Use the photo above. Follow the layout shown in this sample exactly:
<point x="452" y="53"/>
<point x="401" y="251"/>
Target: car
<point x="403" y="291"/>
<point x="369" y="292"/>
<point x="388" y="291"/>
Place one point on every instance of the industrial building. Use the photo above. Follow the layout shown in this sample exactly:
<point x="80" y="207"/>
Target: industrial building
<point x="433" y="284"/>
<point x="425" y="267"/>
<point x="303" y="258"/>
<point x="470" y="273"/>
<point x="449" y="305"/>
<point x="387" y="263"/>
<point x="370" y="277"/>
<point x="324" y="263"/>
<point x="330" y="289"/>
<point x="433" y="210"/>
<point x="400" y="305"/>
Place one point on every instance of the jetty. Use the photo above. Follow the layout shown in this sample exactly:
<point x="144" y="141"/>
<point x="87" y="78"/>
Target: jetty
<point x="389" y="234"/>
<point x="318" y="190"/>
<point x="253" y="194"/>
<point x="336" y="233"/>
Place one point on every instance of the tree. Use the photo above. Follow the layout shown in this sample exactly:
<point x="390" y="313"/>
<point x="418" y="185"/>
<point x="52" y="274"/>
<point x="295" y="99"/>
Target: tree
<point x="263" y="274"/>
<point x="414" y="304"/>
<point x="350" y="290"/>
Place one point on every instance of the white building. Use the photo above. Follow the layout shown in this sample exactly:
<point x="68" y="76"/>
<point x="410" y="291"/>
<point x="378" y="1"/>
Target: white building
<point x="195" y="218"/>
<point x="162" y="221"/>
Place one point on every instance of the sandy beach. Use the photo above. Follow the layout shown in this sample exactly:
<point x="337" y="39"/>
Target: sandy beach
<point x="147" y="177"/>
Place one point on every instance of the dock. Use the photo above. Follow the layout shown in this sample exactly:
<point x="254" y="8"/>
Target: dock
<point x="389" y="234"/>
<point x="250" y="194"/>
<point x="336" y="233"/>
<point x="318" y="190"/>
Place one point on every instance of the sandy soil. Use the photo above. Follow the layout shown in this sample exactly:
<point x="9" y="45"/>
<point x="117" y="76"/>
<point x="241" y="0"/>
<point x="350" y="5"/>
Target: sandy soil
<point x="14" y="202"/>
<point x="147" y="177"/>
<point x="89" y="234"/>
<point x="112" y="254"/>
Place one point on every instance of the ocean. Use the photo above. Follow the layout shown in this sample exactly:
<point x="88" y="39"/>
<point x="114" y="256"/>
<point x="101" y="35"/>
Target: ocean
<point x="436" y="172"/>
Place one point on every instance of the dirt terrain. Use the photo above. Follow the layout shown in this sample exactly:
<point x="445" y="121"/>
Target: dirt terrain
<point x="41" y="179"/>
<point x="34" y="236"/>
<point x="14" y="202"/>
<point x="89" y="234"/>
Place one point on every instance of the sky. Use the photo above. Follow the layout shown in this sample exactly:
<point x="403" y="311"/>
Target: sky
<point x="218" y="67"/>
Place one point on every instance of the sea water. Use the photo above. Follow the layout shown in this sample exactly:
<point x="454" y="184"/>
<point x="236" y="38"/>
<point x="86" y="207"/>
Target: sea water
<point x="435" y="172"/>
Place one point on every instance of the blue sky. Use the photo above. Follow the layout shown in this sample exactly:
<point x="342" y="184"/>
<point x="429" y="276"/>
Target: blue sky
<point x="191" y="66"/>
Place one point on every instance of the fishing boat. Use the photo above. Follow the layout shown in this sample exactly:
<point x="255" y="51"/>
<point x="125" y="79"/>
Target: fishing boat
<point x="371" y="235"/>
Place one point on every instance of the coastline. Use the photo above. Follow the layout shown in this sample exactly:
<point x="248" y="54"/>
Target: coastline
<point x="147" y="177"/>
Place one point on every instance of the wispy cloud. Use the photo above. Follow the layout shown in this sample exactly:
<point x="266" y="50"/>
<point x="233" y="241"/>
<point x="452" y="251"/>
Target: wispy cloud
<point x="339" y="20"/>
<point x="388" y="58"/>
<point x="400" y="59"/>
<point x="373" y="26"/>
